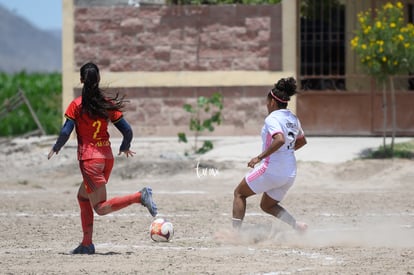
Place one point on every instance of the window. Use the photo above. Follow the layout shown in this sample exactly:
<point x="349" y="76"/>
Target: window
<point x="322" y="48"/>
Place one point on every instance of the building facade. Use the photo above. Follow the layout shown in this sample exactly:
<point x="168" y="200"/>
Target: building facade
<point x="163" y="56"/>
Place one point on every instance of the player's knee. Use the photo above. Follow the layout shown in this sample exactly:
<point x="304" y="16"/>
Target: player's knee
<point x="267" y="207"/>
<point x="237" y="193"/>
<point x="100" y="210"/>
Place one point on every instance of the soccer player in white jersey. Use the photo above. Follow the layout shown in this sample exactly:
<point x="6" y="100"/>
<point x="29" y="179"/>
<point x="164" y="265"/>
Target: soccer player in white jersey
<point x="281" y="134"/>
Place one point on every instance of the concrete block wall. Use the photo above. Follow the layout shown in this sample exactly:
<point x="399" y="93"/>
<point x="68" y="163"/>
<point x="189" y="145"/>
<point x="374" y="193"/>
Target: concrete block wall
<point x="161" y="57"/>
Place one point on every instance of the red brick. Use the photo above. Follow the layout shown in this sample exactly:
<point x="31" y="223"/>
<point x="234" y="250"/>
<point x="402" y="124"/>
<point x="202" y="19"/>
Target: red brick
<point x="257" y="91"/>
<point x="182" y="92"/>
<point x="202" y="38"/>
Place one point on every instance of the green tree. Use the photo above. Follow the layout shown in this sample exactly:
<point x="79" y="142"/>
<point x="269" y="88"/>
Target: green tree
<point x="385" y="45"/>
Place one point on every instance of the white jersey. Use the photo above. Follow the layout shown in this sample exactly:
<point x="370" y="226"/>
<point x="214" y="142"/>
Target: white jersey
<point x="276" y="173"/>
<point x="283" y="161"/>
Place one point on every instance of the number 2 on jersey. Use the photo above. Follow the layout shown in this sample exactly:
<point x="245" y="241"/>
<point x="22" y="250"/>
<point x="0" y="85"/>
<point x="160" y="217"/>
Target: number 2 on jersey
<point x="292" y="143"/>
<point x="96" y="124"/>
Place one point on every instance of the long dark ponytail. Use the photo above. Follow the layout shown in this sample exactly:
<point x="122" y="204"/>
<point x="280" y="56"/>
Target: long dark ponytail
<point x="93" y="101"/>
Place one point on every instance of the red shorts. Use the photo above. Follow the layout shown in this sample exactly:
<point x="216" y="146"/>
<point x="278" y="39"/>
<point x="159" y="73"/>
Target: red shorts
<point x="95" y="172"/>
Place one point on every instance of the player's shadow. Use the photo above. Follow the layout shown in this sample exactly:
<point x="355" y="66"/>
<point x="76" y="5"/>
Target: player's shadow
<point x="109" y="253"/>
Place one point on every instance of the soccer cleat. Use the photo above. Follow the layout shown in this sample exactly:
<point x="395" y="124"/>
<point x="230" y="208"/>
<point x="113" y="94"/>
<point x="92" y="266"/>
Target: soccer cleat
<point x="301" y="227"/>
<point x="146" y="200"/>
<point x="83" y="249"/>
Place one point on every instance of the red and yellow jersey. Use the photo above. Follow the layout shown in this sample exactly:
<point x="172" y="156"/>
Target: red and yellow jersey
<point x="92" y="133"/>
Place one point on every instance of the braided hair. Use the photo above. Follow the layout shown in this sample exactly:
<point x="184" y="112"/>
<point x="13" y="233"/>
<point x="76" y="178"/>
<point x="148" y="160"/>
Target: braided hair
<point x="93" y="101"/>
<point x="282" y="91"/>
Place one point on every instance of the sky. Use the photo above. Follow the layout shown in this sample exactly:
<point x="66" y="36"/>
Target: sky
<point x="43" y="14"/>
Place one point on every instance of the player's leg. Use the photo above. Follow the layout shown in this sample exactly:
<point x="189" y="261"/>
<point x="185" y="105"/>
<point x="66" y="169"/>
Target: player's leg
<point x="103" y="206"/>
<point x="98" y="177"/>
<point x="241" y="193"/>
<point x="272" y="207"/>
<point x="86" y="214"/>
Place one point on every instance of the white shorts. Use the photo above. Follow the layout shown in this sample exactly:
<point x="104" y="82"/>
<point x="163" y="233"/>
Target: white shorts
<point x="273" y="185"/>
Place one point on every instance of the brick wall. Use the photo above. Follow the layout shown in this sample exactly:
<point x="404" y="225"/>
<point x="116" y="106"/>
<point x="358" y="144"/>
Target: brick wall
<point x="122" y="38"/>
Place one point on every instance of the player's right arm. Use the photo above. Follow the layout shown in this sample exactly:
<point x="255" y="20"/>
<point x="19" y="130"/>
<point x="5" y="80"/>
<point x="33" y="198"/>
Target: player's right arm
<point x="300" y="139"/>
<point x="300" y="142"/>
<point x="64" y="135"/>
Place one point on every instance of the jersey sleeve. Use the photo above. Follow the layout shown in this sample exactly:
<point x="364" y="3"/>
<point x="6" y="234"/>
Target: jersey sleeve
<point x="273" y="126"/>
<point x="72" y="110"/>
<point x="115" y="116"/>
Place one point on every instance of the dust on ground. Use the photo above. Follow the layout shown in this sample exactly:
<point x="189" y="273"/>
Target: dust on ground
<point x="360" y="215"/>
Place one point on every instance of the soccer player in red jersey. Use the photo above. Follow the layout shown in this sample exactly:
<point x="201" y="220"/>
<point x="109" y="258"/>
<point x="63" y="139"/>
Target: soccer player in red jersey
<point x="90" y="114"/>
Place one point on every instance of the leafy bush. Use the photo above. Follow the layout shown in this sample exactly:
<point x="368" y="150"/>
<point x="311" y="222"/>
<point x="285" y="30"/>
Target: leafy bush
<point x="44" y="92"/>
<point x="201" y="120"/>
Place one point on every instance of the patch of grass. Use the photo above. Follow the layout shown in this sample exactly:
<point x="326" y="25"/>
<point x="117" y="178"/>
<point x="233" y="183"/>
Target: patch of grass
<point x="404" y="150"/>
<point x="44" y="92"/>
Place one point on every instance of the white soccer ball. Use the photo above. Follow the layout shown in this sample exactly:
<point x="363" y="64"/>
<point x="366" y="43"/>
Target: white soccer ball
<point x="161" y="230"/>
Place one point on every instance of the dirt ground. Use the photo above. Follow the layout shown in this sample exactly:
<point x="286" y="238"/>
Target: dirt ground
<point x="360" y="215"/>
